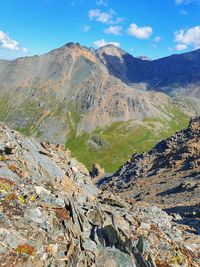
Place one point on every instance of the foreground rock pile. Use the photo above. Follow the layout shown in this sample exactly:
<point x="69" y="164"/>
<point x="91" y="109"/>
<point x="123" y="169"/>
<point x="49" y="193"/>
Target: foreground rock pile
<point x="52" y="215"/>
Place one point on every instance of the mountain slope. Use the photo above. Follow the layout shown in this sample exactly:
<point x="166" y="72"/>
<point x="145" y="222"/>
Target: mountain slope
<point x="52" y="215"/>
<point x="175" y="74"/>
<point x="176" y="70"/>
<point x="68" y="95"/>
<point x="167" y="175"/>
<point x="69" y="79"/>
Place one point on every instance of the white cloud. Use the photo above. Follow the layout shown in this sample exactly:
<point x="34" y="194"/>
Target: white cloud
<point x="24" y="49"/>
<point x="185" y="2"/>
<point x="178" y="2"/>
<point x="7" y="43"/>
<point x="101" y="2"/>
<point x="140" y="32"/>
<point x="102" y="42"/>
<point x="181" y="47"/>
<point x="115" y="30"/>
<point x="187" y="38"/>
<point x="86" y="28"/>
<point x="109" y="17"/>
<point x="157" y="39"/>
<point x="100" y="16"/>
<point x="183" y="12"/>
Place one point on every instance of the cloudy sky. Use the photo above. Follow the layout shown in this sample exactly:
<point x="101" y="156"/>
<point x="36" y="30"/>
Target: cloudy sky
<point x="154" y="28"/>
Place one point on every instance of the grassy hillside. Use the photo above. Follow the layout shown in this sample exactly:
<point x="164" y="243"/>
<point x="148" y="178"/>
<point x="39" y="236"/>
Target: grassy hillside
<point x="112" y="146"/>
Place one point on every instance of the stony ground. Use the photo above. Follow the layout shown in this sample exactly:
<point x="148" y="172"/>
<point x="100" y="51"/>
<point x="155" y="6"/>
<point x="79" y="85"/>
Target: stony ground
<point x="52" y="215"/>
<point x="167" y="176"/>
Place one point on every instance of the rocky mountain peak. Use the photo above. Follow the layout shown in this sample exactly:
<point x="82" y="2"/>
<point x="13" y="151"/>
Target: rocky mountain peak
<point x="111" y="50"/>
<point x="71" y="44"/>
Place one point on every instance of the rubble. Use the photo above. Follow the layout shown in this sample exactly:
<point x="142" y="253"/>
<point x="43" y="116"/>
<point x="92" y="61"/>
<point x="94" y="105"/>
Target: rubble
<point x="51" y="214"/>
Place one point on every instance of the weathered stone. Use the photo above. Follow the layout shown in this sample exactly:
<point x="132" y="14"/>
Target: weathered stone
<point x="59" y="218"/>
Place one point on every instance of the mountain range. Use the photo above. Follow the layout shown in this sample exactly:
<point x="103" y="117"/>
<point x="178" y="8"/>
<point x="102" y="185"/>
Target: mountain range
<point x="130" y="120"/>
<point x="97" y="101"/>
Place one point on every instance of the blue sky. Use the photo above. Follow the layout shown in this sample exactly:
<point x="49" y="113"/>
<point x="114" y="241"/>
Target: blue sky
<point x="154" y="28"/>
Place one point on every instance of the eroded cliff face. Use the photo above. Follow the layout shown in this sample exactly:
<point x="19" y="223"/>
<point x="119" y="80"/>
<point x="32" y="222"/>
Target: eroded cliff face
<point x="52" y="215"/>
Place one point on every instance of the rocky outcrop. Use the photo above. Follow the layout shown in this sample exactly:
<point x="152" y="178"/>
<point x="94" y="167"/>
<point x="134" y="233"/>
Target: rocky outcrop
<point x="168" y="175"/>
<point x="52" y="215"/>
<point x="97" y="172"/>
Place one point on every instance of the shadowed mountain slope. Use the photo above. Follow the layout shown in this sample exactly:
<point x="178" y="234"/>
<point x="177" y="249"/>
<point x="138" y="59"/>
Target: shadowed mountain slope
<point x="175" y="75"/>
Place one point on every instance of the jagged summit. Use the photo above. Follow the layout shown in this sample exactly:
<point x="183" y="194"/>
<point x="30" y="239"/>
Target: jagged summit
<point x="52" y="215"/>
<point x="111" y="53"/>
<point x="111" y="50"/>
<point x="72" y="44"/>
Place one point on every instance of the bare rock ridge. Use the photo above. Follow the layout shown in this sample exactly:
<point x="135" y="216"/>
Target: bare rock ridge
<point x="168" y="175"/>
<point x="175" y="75"/>
<point x="52" y="215"/>
<point x="175" y="71"/>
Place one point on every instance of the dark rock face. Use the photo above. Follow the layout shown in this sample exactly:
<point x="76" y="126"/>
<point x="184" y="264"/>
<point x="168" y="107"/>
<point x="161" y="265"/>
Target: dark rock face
<point x="175" y="71"/>
<point x="52" y="215"/>
<point x="177" y="75"/>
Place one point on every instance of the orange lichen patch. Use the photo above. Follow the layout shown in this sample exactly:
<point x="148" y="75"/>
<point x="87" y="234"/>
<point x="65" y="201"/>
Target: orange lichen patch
<point x="62" y="214"/>
<point x="12" y="167"/>
<point x="162" y="263"/>
<point x="25" y="249"/>
<point x="15" y="169"/>
<point x="52" y="249"/>
<point x="11" y="196"/>
<point x="21" y="174"/>
<point x="156" y="230"/>
<point x="6" y="181"/>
